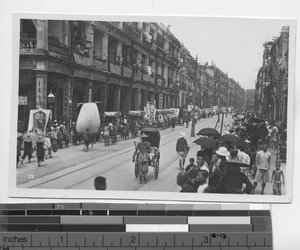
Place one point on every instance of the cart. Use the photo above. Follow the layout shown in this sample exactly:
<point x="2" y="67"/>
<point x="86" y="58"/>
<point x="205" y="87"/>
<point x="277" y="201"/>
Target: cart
<point x="154" y="156"/>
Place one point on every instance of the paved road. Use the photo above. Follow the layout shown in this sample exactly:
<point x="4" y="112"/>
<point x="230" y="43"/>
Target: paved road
<point x="72" y="168"/>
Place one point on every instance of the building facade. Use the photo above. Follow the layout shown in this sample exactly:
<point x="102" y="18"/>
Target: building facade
<point x="271" y="90"/>
<point x="120" y="65"/>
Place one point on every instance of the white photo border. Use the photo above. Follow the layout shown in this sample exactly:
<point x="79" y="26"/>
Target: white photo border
<point x="15" y="192"/>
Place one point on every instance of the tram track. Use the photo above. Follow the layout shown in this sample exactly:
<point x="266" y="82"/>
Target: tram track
<point x="93" y="163"/>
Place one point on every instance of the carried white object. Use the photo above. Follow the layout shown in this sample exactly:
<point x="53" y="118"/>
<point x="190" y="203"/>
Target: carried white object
<point x="88" y="118"/>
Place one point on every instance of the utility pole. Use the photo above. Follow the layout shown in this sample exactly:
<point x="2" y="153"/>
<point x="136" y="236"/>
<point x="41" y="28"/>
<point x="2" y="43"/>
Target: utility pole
<point x="194" y="100"/>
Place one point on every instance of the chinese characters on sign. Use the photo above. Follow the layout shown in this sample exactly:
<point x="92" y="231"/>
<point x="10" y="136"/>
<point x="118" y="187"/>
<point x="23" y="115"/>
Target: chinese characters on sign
<point x="66" y="99"/>
<point x="41" y="92"/>
<point x="160" y="101"/>
<point x="22" y="100"/>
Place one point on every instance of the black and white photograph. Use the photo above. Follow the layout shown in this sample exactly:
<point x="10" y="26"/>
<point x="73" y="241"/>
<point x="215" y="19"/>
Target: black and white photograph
<point x="150" y="107"/>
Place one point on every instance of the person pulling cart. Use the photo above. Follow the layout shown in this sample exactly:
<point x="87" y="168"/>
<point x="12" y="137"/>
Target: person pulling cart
<point x="142" y="151"/>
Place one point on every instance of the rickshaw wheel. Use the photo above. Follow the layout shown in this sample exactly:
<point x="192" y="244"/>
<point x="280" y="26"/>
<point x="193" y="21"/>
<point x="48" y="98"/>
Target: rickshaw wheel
<point x="54" y="148"/>
<point x="136" y="170"/>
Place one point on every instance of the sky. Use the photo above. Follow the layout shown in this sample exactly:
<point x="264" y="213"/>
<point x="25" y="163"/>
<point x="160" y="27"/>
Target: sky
<point x="235" y="45"/>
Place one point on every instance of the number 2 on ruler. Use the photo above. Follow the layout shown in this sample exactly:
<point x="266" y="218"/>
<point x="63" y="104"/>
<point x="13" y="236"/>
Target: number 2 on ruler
<point x="132" y="239"/>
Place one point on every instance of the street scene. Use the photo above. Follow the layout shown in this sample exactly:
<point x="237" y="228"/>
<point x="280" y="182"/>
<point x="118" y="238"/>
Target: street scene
<point x="139" y="106"/>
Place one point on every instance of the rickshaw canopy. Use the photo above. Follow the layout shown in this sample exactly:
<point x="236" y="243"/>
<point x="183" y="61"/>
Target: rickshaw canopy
<point x="153" y="136"/>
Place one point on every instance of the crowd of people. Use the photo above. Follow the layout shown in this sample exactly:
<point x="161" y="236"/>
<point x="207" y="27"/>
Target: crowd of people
<point x="226" y="168"/>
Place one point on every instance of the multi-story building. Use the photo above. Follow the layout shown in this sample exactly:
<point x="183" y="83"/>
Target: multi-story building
<point x="272" y="79"/>
<point x="249" y="99"/>
<point x="121" y="65"/>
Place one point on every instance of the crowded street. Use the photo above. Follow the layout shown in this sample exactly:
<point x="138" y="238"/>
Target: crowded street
<point x="72" y="168"/>
<point x="137" y="110"/>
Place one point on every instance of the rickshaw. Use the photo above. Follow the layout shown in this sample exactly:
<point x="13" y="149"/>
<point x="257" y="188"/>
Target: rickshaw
<point x="111" y="118"/>
<point x="154" y="156"/>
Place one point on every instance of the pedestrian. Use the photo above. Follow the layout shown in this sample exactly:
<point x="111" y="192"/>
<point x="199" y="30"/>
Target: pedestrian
<point x="142" y="151"/>
<point x="27" y="150"/>
<point x="274" y="136"/>
<point x="182" y="149"/>
<point x="173" y="123"/>
<point x="86" y="138"/>
<point x="263" y="159"/>
<point x="222" y="155"/>
<point x="182" y="180"/>
<point x="191" y="165"/>
<point x="40" y="150"/>
<point x="203" y="173"/>
<point x="100" y="183"/>
<point x="276" y="178"/>
<point x="18" y="150"/>
<point x="233" y="180"/>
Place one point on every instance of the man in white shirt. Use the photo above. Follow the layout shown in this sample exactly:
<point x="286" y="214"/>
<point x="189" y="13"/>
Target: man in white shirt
<point x="263" y="160"/>
<point x="243" y="157"/>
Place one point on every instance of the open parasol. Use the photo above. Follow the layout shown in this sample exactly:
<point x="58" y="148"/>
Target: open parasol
<point x="235" y="140"/>
<point x="206" y="142"/>
<point x="208" y="131"/>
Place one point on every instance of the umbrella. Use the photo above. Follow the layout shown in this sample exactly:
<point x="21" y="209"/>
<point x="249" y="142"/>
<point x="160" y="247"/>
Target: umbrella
<point x="208" y="131"/>
<point x="30" y="137"/>
<point x="236" y="141"/>
<point x="206" y="142"/>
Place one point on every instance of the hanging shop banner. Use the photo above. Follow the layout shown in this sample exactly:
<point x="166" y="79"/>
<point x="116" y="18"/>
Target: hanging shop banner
<point x="66" y="99"/>
<point x="150" y="111"/>
<point x="38" y="120"/>
<point x="160" y="101"/>
<point x="41" y="93"/>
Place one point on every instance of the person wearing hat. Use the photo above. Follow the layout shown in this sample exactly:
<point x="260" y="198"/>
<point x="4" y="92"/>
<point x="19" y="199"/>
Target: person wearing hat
<point x="182" y="149"/>
<point x="182" y="180"/>
<point x="232" y="181"/>
<point x="142" y="151"/>
<point x="214" y="185"/>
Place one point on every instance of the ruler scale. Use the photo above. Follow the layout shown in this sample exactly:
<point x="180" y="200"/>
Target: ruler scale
<point x="90" y="226"/>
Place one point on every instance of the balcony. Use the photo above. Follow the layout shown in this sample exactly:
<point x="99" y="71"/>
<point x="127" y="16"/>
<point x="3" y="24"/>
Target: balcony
<point x="152" y="80"/>
<point x="154" y="46"/>
<point x="99" y="64"/>
<point x="137" y="76"/>
<point x="60" y="50"/>
<point x="82" y="60"/>
<point x="127" y="72"/>
<point x="27" y="45"/>
<point x="159" y="81"/>
<point x="145" y="77"/>
<point x="115" y="68"/>
<point x="132" y="31"/>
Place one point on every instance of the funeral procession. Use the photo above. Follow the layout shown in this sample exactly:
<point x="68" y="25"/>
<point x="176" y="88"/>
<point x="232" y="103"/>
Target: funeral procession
<point x="142" y="106"/>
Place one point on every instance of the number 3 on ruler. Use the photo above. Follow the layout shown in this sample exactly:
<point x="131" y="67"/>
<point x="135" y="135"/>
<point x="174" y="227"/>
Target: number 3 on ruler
<point x="205" y="239"/>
